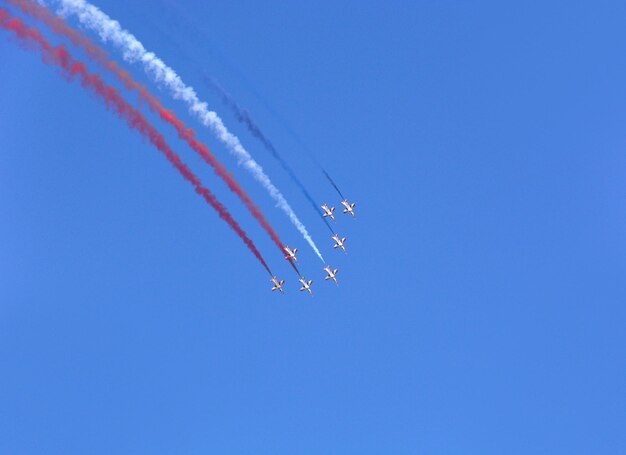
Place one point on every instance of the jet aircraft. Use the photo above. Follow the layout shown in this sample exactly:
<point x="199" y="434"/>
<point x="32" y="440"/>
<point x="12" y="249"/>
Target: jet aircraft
<point x="348" y="207"/>
<point x="278" y="285"/>
<point x="332" y="274"/>
<point x="339" y="242"/>
<point x="306" y="285"/>
<point x="291" y="254"/>
<point x="328" y="211"/>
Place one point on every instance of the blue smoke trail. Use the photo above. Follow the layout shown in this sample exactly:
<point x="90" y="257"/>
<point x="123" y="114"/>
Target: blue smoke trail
<point x="188" y="22"/>
<point x="243" y="117"/>
<point x="332" y="183"/>
<point x="253" y="127"/>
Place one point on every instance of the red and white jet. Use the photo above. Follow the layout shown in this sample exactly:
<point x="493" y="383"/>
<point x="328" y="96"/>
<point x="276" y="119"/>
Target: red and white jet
<point x="339" y="242"/>
<point x="306" y="285"/>
<point x="348" y="207"/>
<point x="278" y="285"/>
<point x="328" y="211"/>
<point x="291" y="254"/>
<point x="332" y="274"/>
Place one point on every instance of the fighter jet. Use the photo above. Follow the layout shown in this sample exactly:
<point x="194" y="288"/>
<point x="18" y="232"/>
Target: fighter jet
<point x="291" y="254"/>
<point x="332" y="274"/>
<point x="306" y="285"/>
<point x="339" y="242"/>
<point x="348" y="207"/>
<point x="328" y="211"/>
<point x="278" y="285"/>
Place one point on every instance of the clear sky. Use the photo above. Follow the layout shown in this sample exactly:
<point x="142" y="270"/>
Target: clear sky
<point x="481" y="303"/>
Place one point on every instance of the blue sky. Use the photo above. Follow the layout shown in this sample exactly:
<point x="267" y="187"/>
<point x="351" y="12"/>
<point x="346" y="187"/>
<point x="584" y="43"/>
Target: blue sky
<point x="481" y="305"/>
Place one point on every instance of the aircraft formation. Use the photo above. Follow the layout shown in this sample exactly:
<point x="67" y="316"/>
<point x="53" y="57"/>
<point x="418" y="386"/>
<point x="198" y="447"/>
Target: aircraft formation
<point x="64" y="45"/>
<point x="331" y="274"/>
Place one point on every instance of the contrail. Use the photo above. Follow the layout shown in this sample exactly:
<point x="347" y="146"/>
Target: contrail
<point x="133" y="51"/>
<point x="244" y="117"/>
<point x="61" y="58"/>
<point x="96" y="53"/>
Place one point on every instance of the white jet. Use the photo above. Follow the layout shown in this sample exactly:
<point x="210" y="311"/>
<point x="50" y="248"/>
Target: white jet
<point x="278" y="285"/>
<point x="349" y="208"/>
<point x="339" y="242"/>
<point x="306" y="285"/>
<point x="291" y="254"/>
<point x="328" y="211"/>
<point x="332" y="274"/>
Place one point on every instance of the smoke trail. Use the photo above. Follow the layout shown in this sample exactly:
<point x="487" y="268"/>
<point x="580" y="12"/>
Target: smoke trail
<point x="188" y="22"/>
<point x="133" y="51"/>
<point x="332" y="182"/>
<point x="296" y="137"/>
<point x="101" y="57"/>
<point x="243" y="117"/>
<point x="60" y="57"/>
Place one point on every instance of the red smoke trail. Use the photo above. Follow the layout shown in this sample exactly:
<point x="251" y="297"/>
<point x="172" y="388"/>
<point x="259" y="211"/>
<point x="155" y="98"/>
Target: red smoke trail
<point x="60" y="57"/>
<point x="97" y="54"/>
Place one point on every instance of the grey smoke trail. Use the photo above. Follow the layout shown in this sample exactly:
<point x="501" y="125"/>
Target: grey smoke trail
<point x="133" y="51"/>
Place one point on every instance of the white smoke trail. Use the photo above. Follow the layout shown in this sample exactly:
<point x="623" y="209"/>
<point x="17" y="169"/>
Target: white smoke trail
<point x="133" y="51"/>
